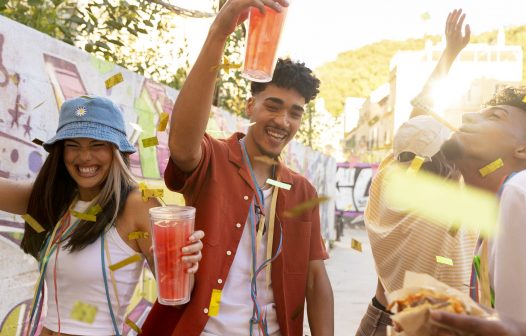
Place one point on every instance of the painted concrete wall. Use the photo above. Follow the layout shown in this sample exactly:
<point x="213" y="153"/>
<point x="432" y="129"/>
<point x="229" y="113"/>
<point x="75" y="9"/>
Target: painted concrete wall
<point x="37" y="73"/>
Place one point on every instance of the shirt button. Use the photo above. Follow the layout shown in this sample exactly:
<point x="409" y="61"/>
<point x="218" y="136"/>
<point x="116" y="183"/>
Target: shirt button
<point x="228" y="253"/>
<point x="245" y="198"/>
<point x="219" y="281"/>
<point x="238" y="225"/>
<point x="205" y="310"/>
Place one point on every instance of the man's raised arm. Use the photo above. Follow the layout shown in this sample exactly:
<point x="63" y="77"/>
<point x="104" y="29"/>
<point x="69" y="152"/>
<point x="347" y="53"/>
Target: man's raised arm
<point x="192" y="107"/>
<point x="456" y="40"/>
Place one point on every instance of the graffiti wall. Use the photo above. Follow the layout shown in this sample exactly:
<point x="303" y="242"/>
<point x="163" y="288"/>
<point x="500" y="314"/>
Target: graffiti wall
<point x="37" y="73"/>
<point x="352" y="185"/>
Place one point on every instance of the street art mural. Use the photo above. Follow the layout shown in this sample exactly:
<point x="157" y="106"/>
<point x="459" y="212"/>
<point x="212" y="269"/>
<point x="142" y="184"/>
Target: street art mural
<point x="37" y="74"/>
<point x="353" y="181"/>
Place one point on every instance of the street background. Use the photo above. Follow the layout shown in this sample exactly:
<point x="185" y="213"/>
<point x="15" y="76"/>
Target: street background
<point x="353" y="279"/>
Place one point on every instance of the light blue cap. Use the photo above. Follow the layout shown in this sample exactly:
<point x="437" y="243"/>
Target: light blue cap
<point x="91" y="117"/>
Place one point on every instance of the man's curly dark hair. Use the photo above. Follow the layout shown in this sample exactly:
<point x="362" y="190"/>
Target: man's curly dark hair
<point x="512" y="96"/>
<point x="291" y="75"/>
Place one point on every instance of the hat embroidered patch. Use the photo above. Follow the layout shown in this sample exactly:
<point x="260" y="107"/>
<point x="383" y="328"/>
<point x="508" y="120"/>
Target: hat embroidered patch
<point x="81" y="111"/>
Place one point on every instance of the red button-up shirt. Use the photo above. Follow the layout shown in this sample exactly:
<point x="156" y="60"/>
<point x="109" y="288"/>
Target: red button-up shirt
<point x="221" y="190"/>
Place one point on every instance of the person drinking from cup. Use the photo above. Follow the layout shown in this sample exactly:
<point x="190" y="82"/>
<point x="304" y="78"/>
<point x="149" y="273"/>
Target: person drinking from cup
<point x="405" y="241"/>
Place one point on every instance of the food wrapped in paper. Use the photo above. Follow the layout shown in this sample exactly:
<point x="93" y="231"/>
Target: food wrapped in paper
<point x="422" y="293"/>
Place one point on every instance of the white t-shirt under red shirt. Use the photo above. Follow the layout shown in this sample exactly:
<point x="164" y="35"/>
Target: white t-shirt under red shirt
<point x="235" y="309"/>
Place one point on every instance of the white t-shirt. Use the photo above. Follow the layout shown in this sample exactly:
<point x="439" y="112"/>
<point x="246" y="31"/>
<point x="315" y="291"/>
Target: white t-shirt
<point x="507" y="259"/>
<point x="235" y="310"/>
<point x="80" y="284"/>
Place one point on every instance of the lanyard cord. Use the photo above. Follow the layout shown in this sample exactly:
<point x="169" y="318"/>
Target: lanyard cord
<point x="258" y="317"/>
<point x="102" y="259"/>
<point x="260" y="197"/>
<point x="47" y="250"/>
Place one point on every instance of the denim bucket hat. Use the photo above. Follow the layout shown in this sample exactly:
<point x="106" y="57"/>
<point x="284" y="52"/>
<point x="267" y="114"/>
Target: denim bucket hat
<point x="91" y="117"/>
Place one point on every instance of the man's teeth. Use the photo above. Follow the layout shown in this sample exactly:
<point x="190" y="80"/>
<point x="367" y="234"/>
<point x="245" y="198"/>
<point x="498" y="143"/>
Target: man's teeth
<point x="276" y="134"/>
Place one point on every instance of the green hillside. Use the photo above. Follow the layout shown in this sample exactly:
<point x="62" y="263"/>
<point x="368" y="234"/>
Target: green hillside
<point x="356" y="73"/>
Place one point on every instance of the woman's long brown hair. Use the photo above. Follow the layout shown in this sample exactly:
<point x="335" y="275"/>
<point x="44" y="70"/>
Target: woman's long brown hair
<point x="52" y="194"/>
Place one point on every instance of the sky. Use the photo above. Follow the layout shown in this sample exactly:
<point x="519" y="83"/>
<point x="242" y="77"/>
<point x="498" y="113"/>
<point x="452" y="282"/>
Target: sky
<point x="316" y="31"/>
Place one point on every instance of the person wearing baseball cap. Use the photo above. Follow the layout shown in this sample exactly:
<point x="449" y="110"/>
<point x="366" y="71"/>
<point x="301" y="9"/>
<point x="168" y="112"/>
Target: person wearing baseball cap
<point x="79" y="212"/>
<point x="403" y="241"/>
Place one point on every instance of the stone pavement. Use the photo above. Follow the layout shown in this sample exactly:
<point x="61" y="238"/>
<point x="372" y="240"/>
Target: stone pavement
<point x="353" y="279"/>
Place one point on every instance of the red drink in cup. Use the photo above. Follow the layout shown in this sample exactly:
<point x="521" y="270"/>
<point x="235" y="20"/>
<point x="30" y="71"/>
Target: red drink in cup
<point x="263" y="37"/>
<point x="171" y="227"/>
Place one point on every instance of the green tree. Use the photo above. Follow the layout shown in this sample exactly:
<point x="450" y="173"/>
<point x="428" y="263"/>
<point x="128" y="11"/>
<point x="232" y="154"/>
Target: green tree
<point x="309" y="131"/>
<point x="356" y="73"/>
<point x="232" y="90"/>
<point x="107" y="28"/>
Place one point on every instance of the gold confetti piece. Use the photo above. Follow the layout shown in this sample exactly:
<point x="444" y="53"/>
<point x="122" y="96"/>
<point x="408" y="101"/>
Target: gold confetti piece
<point x="143" y="185"/>
<point x="226" y="65"/>
<point x="524" y="99"/>
<point x="356" y="245"/>
<point x="453" y="230"/>
<point x="127" y="261"/>
<point x="138" y="235"/>
<point x="151" y="193"/>
<point x="215" y="301"/>
<point x="133" y="326"/>
<point x="15" y="79"/>
<point x="83" y="312"/>
<point x="114" y="80"/>
<point x="163" y="122"/>
<point x="279" y="184"/>
<point x="87" y="97"/>
<point x="416" y="164"/>
<point x="490" y="168"/>
<point x="94" y="210"/>
<point x="33" y="223"/>
<point x="302" y="207"/>
<point x="266" y="159"/>
<point x="37" y="141"/>
<point x="38" y="105"/>
<point x="429" y="196"/>
<point x="149" y="142"/>
<point x="84" y="216"/>
<point x="444" y="260"/>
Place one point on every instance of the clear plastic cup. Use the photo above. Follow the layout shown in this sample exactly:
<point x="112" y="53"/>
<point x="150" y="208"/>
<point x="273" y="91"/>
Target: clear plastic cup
<point x="263" y="37"/>
<point x="171" y="227"/>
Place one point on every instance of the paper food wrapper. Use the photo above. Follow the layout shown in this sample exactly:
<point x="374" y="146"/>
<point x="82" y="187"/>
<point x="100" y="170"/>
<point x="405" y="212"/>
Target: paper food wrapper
<point x="416" y="321"/>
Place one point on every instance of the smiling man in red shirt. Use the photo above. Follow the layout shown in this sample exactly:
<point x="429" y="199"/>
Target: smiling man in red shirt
<point x="259" y="266"/>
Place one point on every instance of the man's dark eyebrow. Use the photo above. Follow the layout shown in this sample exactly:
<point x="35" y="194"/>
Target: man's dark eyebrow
<point x="275" y="100"/>
<point x="72" y="140"/>
<point x="281" y="102"/>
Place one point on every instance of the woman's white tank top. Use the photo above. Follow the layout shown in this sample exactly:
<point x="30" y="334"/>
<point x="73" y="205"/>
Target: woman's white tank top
<point x="80" y="286"/>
